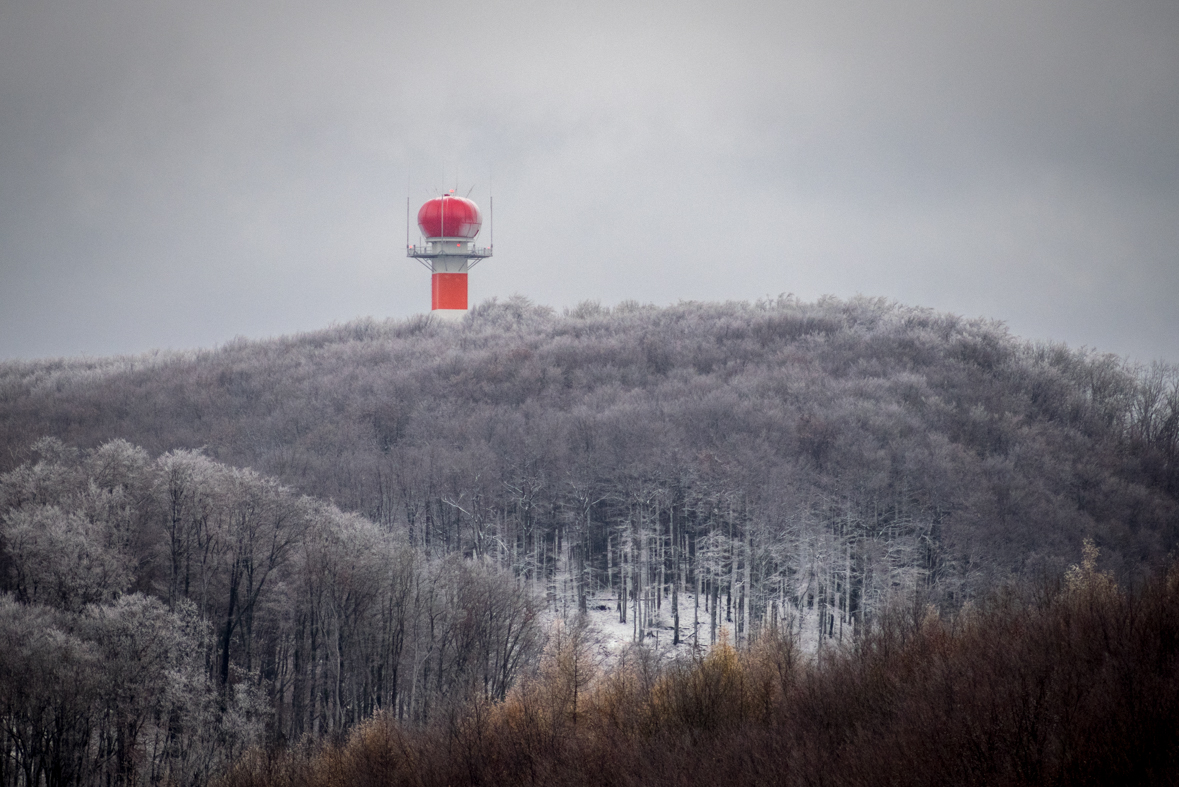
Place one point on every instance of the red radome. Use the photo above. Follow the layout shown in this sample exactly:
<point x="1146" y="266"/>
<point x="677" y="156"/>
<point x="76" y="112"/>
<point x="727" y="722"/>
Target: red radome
<point x="449" y="225"/>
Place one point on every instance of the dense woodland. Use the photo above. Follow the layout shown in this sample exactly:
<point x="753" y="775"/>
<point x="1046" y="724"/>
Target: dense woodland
<point x="161" y="616"/>
<point x="274" y="540"/>
<point x="1072" y="683"/>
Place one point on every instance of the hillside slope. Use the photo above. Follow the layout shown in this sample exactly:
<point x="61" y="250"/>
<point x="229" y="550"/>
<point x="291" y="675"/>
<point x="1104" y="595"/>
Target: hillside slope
<point x="781" y="460"/>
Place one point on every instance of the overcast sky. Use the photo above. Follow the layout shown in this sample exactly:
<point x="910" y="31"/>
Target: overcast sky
<point x="175" y="175"/>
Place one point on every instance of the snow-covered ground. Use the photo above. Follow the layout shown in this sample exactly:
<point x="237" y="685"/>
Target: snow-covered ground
<point x="610" y="637"/>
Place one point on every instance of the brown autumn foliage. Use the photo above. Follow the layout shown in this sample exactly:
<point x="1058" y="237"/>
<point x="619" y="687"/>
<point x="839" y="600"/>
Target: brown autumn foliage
<point x="1075" y="682"/>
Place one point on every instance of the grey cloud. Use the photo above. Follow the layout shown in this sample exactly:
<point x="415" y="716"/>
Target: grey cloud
<point x="174" y="176"/>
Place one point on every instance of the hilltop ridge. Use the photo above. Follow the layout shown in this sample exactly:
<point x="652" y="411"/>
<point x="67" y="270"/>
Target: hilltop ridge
<point x="875" y="414"/>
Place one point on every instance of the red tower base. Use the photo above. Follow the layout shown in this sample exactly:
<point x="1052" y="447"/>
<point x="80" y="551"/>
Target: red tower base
<point x="448" y="291"/>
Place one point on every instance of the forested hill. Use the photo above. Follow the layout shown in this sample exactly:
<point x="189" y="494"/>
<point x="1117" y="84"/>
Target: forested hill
<point x="788" y="453"/>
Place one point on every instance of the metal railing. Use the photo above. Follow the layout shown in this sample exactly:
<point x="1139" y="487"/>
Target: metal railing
<point x="441" y="250"/>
